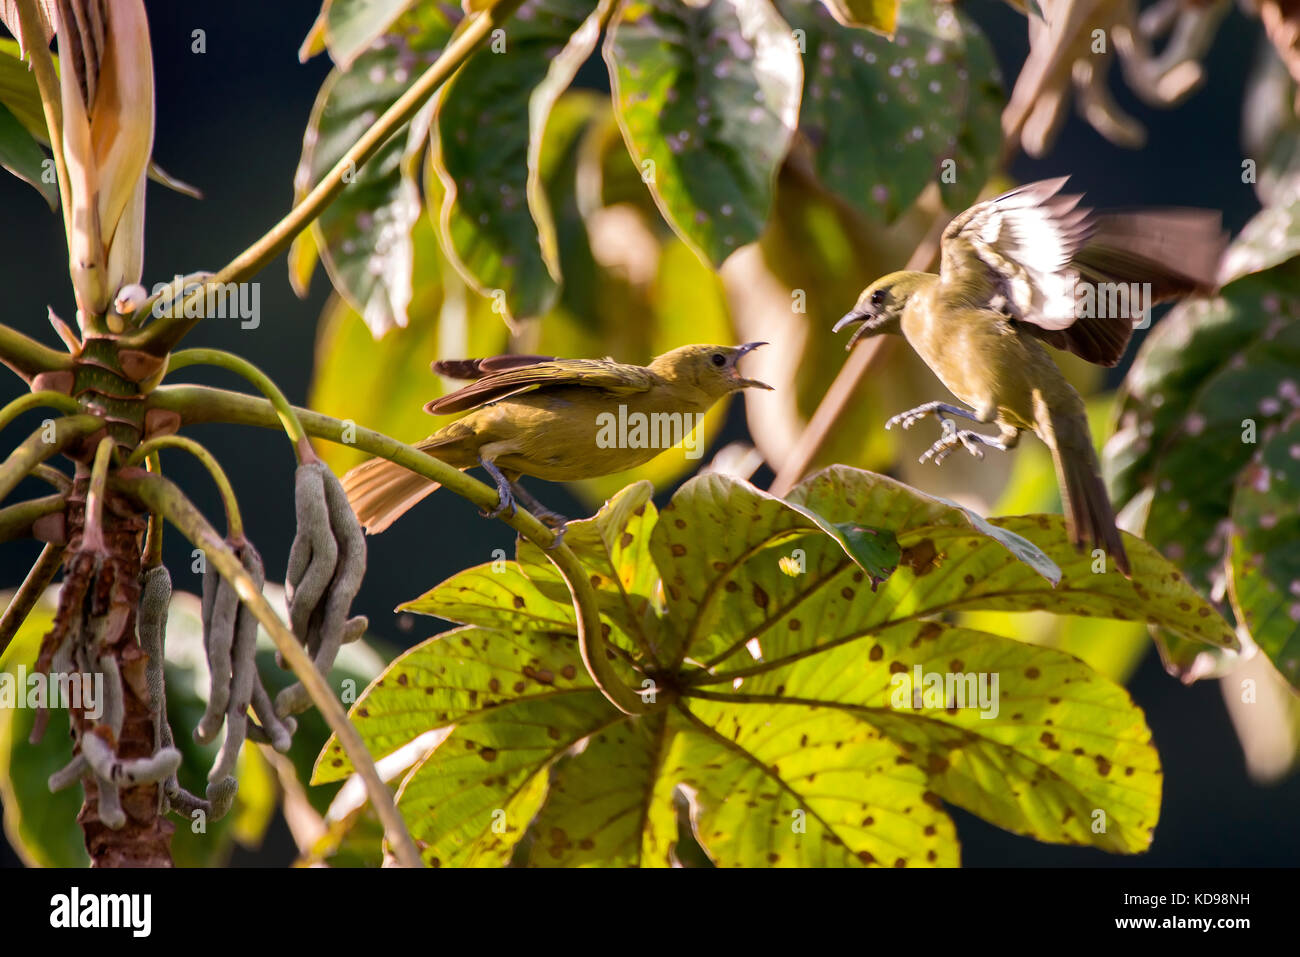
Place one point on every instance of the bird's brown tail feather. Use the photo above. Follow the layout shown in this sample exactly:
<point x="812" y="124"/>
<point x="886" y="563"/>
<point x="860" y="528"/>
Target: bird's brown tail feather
<point x="380" y="492"/>
<point x="1088" y="512"/>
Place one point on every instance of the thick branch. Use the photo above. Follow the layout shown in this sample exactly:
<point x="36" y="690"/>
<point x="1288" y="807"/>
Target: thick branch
<point x="27" y="357"/>
<point x="162" y="335"/>
<point x="202" y="404"/>
<point x="160" y="495"/>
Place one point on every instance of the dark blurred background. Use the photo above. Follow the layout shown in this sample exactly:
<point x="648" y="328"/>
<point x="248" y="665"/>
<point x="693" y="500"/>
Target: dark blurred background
<point x="230" y="121"/>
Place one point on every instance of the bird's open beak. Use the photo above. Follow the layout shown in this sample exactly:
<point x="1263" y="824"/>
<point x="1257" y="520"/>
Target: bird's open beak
<point x="850" y="317"/>
<point x="870" y="326"/>
<point x="748" y="383"/>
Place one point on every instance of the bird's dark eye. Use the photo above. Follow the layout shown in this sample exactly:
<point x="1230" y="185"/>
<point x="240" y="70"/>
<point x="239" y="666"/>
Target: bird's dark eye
<point x="878" y="298"/>
<point x="718" y="359"/>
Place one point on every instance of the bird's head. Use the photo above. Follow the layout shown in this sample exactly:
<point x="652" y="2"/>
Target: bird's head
<point x="880" y="307"/>
<point x="711" y="369"/>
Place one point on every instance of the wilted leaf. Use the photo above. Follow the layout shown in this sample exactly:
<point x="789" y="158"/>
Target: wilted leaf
<point x="708" y="99"/>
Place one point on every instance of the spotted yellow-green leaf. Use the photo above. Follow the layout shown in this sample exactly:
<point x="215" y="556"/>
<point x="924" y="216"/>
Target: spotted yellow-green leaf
<point x="452" y="677"/>
<point x="708" y="99"/>
<point x="1030" y="739"/>
<point x="469" y="801"/>
<point x="609" y="805"/>
<point x="497" y="595"/>
<point x="786" y="785"/>
<point x="780" y="689"/>
<point x="614" y="545"/>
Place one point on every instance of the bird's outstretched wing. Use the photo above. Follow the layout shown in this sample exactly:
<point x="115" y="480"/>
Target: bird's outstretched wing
<point x="1027" y="250"/>
<point x="499" y="377"/>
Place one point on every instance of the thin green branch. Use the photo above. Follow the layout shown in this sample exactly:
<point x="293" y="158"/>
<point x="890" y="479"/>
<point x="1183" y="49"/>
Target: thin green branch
<point x="27" y="357"/>
<point x="242" y="367"/>
<point x="53" y="476"/>
<point x="29" y="593"/>
<point x="162" y="335"/>
<point x="160" y="495"/>
<point x="35" y="400"/>
<point x="16" y="520"/>
<point x="234" y="521"/>
<point x="197" y="404"/>
<point x="37" y="448"/>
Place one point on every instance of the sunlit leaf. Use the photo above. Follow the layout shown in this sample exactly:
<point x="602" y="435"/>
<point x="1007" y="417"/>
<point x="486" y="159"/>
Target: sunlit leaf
<point x="364" y="236"/>
<point x="708" y="99"/>
<point x="496" y="222"/>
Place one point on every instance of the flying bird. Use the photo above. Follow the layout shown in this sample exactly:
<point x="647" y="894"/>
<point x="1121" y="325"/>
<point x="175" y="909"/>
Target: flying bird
<point x="1028" y="268"/>
<point x="553" y="419"/>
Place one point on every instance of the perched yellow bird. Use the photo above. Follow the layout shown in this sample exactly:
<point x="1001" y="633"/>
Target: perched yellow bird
<point x="555" y="419"/>
<point x="1031" y="267"/>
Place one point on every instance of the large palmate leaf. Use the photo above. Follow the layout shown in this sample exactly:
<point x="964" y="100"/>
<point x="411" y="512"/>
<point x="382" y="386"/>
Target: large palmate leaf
<point x="364" y="236"/>
<point x="708" y="99"/>
<point x="496" y="223"/>
<point x="807" y="717"/>
<point x="922" y="94"/>
<point x="1214" y="382"/>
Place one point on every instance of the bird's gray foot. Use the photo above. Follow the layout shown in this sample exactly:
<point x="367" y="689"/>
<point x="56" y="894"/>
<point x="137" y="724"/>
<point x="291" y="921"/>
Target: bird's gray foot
<point x="952" y="437"/>
<point x="912" y="416"/>
<point x="546" y="516"/>
<point x="505" y="497"/>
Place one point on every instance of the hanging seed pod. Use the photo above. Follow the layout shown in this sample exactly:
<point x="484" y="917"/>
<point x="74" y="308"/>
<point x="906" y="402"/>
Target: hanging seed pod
<point x="326" y="565"/>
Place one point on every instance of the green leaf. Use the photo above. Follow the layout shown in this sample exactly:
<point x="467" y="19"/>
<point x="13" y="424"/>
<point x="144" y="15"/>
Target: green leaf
<point x="708" y="100"/>
<point x="454" y="677"/>
<point x="351" y="26"/>
<point x="878" y="15"/>
<point x="1061" y="742"/>
<point x="496" y="222"/>
<point x="469" y="801"/>
<point x="19" y="92"/>
<point x="1264" y="558"/>
<point x="21" y="155"/>
<point x="364" y="236"/>
<point x="918" y="90"/>
<point x="607" y="806"/>
<point x="1270" y="239"/>
<point x="782" y="785"/>
<point x="787" y="719"/>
